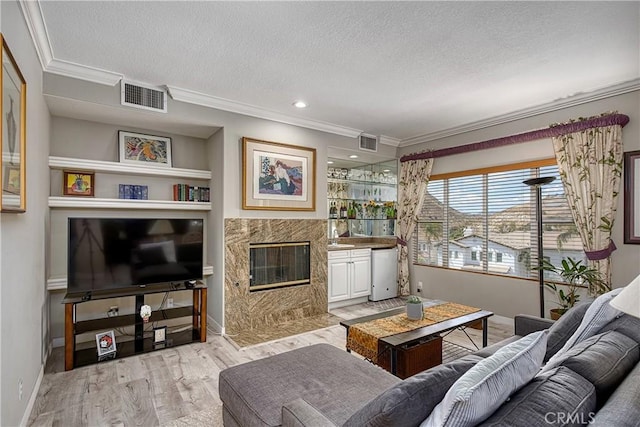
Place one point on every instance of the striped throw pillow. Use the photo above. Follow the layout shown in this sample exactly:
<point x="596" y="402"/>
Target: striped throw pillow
<point x="486" y="386"/>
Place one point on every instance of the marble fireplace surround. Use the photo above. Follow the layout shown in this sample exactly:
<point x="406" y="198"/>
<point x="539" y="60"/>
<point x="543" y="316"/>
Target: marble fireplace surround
<point x="246" y="310"/>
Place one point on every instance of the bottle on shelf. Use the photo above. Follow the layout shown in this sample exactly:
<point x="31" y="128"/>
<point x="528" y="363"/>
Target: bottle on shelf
<point x="333" y="211"/>
<point x="343" y="211"/>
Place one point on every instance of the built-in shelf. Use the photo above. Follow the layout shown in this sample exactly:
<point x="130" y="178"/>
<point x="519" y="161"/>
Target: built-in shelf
<point x="60" y="283"/>
<point x="98" y="203"/>
<point x="125" y="168"/>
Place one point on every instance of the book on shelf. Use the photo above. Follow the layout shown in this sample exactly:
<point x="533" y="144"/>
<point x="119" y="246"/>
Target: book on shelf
<point x="188" y="193"/>
<point x="133" y="192"/>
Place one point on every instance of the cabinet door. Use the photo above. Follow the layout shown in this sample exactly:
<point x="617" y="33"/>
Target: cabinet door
<point x="338" y="279"/>
<point x="360" y="277"/>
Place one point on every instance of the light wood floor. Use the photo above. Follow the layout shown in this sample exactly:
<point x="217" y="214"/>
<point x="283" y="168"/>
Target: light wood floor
<point x="179" y="386"/>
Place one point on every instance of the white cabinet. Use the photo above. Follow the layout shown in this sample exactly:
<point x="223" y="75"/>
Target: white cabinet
<point x="349" y="274"/>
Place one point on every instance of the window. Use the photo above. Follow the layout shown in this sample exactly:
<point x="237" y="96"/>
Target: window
<point x="494" y="213"/>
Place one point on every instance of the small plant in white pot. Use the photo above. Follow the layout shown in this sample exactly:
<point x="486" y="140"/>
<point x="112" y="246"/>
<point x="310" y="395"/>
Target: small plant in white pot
<point x="414" y="308"/>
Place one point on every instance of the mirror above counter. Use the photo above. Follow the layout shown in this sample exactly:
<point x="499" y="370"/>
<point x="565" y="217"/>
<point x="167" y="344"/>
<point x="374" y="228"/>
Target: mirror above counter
<point x="361" y="197"/>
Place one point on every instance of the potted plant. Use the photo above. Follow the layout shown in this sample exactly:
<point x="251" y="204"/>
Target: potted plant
<point x="575" y="275"/>
<point x="414" y="308"/>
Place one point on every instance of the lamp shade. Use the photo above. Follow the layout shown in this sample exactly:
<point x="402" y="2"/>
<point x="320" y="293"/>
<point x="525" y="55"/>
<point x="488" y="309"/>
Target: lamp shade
<point x="628" y="300"/>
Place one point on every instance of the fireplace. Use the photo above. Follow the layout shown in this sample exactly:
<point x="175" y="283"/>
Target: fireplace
<point x="278" y="265"/>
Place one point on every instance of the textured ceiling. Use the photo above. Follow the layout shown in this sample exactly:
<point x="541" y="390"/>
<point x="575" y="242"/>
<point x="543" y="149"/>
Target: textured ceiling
<point x="399" y="69"/>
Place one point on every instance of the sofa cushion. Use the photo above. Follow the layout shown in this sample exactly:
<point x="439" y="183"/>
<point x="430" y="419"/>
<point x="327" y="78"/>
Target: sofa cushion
<point x="596" y="317"/>
<point x="563" y="328"/>
<point x="411" y="401"/>
<point x="623" y="407"/>
<point x="537" y="403"/>
<point x="331" y="380"/>
<point x="486" y="386"/>
<point x="604" y="360"/>
<point x="626" y="325"/>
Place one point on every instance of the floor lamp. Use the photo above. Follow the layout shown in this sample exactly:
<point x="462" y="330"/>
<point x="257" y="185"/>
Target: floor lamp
<point x="537" y="183"/>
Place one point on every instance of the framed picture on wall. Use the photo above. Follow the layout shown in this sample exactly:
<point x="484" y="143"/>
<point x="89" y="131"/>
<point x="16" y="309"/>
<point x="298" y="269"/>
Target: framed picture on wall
<point x="278" y="176"/>
<point x="632" y="197"/>
<point x="14" y="145"/>
<point x="78" y="183"/>
<point x="144" y="149"/>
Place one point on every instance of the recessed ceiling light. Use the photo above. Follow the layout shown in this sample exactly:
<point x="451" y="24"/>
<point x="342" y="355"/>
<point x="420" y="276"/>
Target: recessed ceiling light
<point x="300" y="104"/>
<point x="386" y="170"/>
<point x="329" y="162"/>
<point x="353" y="156"/>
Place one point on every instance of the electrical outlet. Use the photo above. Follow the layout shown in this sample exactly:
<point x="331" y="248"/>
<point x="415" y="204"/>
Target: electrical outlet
<point x="169" y="302"/>
<point x="419" y="287"/>
<point x="20" y="389"/>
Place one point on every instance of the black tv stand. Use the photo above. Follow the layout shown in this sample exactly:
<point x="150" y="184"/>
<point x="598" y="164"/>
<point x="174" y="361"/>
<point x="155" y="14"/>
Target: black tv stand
<point x="75" y="357"/>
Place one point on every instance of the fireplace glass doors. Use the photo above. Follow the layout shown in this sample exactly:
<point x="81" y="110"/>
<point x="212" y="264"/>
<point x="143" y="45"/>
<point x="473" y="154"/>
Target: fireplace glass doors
<point x="276" y="265"/>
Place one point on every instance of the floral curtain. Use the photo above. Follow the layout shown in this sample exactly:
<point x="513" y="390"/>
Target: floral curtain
<point x="590" y="165"/>
<point x="414" y="176"/>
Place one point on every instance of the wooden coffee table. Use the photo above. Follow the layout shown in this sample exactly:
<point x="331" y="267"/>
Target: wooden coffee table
<point x="395" y="342"/>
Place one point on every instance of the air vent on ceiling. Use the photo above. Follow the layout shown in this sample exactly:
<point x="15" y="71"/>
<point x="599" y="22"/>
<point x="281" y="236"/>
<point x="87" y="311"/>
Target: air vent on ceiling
<point x="368" y="142"/>
<point x="142" y="96"/>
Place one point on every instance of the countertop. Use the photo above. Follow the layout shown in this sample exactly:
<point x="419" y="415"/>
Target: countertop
<point x="364" y="243"/>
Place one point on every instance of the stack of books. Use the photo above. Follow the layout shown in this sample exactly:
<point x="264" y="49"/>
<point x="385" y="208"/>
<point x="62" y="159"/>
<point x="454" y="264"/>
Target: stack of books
<point x="133" y="192"/>
<point x="188" y="193"/>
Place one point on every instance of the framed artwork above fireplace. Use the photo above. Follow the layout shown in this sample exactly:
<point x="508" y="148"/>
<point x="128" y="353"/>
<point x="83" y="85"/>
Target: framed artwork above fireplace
<point x="278" y="176"/>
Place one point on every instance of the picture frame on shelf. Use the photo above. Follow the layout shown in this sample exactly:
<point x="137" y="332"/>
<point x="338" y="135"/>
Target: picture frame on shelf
<point x="159" y="335"/>
<point x="278" y="176"/>
<point x="106" y="344"/>
<point x="14" y="145"/>
<point x="142" y="149"/>
<point x="78" y="183"/>
<point x="632" y="197"/>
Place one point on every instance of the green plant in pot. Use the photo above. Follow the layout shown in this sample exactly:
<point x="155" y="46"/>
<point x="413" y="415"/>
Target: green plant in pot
<point x="414" y="308"/>
<point x="575" y="275"/>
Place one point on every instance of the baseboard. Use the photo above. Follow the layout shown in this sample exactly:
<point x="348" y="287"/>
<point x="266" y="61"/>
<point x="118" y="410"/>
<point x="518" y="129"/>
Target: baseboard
<point x="57" y="342"/>
<point x="32" y="398"/>
<point x="218" y="328"/>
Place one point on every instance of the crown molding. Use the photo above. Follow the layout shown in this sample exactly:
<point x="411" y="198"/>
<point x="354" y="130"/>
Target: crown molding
<point x="83" y="72"/>
<point x="559" y="104"/>
<point x="197" y="98"/>
<point x="38" y="30"/>
<point x="387" y="140"/>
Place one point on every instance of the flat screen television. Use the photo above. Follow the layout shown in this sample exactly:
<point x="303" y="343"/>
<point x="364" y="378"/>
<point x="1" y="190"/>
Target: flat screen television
<point x="107" y="254"/>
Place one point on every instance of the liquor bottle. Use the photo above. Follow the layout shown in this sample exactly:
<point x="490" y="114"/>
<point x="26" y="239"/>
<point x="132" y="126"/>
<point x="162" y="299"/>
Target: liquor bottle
<point x="343" y="211"/>
<point x="332" y="211"/>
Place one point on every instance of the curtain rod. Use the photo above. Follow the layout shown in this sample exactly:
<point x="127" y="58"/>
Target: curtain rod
<point x="554" y="130"/>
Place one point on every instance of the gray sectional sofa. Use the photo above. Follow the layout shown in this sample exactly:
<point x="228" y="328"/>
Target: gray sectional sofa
<point x="320" y="385"/>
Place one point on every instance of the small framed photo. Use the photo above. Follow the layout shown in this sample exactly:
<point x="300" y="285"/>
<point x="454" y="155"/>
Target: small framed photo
<point x="78" y="183"/>
<point x="106" y="343"/>
<point x="160" y="335"/>
<point x="144" y="149"/>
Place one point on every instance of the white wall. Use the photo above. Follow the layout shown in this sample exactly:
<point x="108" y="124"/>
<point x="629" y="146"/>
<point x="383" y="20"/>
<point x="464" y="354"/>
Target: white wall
<point x="24" y="304"/>
<point x="510" y="296"/>
<point x="215" y="296"/>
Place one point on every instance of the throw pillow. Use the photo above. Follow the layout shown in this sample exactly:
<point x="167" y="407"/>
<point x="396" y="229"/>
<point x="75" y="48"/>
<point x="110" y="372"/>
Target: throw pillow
<point x="486" y="386"/>
<point x="597" y="316"/>
<point x="409" y="402"/>
<point x="538" y="402"/>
